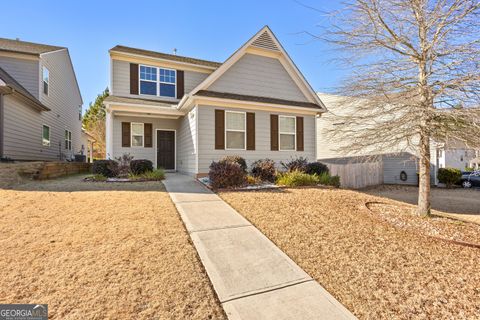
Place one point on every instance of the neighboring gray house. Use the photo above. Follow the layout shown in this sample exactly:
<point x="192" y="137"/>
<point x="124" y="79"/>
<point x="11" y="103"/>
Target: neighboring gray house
<point x="40" y="102"/>
<point x="400" y="164"/>
<point x="183" y="113"/>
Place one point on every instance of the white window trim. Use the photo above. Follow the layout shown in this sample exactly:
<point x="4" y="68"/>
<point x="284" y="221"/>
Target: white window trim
<point x="235" y="130"/>
<point x="46" y="144"/>
<point x="294" y="134"/>
<point x="68" y="139"/>
<point x="43" y="81"/>
<point x="157" y="82"/>
<point x="131" y="135"/>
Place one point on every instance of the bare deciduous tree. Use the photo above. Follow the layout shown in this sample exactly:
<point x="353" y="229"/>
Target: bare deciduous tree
<point x="415" y="77"/>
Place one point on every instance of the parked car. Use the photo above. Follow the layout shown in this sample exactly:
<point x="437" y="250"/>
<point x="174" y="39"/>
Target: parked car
<point x="470" y="179"/>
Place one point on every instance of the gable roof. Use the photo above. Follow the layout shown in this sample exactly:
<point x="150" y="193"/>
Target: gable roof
<point x="264" y="39"/>
<point x="16" y="87"/>
<point x="26" y="47"/>
<point x="166" y="56"/>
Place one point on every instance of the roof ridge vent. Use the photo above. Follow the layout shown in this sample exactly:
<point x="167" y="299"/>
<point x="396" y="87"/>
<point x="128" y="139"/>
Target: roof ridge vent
<point x="265" y="41"/>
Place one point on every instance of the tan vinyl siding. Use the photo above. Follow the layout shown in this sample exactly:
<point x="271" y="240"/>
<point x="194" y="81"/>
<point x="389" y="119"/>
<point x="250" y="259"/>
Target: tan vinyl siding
<point x="23" y="131"/>
<point x="140" y="152"/>
<point x="187" y="143"/>
<point x="258" y="76"/>
<point x="24" y="71"/>
<point x="63" y="99"/>
<point x="206" y="140"/>
<point x="121" y="81"/>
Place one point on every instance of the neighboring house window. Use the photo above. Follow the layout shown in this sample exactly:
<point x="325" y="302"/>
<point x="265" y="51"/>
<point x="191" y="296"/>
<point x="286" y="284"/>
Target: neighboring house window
<point x="158" y="81"/>
<point x="137" y="134"/>
<point x="46" y="135"/>
<point x="287" y="132"/>
<point x="46" y="80"/>
<point x="80" y="112"/>
<point x="235" y="130"/>
<point x="68" y="140"/>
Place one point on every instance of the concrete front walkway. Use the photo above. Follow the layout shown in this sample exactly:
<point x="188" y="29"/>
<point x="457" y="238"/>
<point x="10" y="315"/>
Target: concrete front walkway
<point x="252" y="277"/>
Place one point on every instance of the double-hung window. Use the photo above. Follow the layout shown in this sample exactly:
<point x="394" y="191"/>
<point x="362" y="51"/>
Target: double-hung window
<point x="148" y="80"/>
<point x="46" y="80"/>
<point x="287" y="132"/>
<point x="68" y="140"/>
<point x="235" y="130"/>
<point x="159" y="82"/>
<point x="137" y="131"/>
<point x="46" y="135"/>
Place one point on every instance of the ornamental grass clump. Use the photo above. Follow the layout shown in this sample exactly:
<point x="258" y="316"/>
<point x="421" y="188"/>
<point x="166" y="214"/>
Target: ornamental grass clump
<point x="296" y="178"/>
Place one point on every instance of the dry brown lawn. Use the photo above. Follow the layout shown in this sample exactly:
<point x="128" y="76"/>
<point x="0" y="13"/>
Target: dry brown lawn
<point x="100" y="251"/>
<point x="462" y="203"/>
<point x="376" y="270"/>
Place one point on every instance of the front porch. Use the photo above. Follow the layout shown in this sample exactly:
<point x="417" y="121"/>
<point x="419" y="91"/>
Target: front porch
<point x="146" y="129"/>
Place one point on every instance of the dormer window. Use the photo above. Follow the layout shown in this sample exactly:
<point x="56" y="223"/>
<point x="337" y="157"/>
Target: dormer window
<point x="159" y="82"/>
<point x="46" y="80"/>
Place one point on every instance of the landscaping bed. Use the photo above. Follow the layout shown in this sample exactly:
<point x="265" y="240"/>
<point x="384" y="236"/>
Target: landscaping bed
<point x="375" y="269"/>
<point x="100" y="251"/>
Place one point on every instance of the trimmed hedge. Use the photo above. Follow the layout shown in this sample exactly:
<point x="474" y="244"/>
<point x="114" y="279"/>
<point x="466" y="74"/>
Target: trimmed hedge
<point x="237" y="159"/>
<point x="141" y="166"/>
<point x="106" y="168"/>
<point x="224" y="174"/>
<point x="264" y="169"/>
<point x="449" y="176"/>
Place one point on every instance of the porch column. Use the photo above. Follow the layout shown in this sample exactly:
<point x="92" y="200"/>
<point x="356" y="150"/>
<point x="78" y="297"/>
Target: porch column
<point x="108" y="134"/>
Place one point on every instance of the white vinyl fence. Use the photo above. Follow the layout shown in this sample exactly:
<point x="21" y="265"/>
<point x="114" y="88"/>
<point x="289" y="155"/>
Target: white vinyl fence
<point x="358" y="175"/>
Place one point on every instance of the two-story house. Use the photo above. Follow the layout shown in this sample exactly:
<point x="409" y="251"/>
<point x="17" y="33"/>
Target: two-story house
<point x="40" y="102"/>
<point x="183" y="113"/>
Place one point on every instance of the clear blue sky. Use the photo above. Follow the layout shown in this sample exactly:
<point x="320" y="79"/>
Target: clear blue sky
<point x="209" y="30"/>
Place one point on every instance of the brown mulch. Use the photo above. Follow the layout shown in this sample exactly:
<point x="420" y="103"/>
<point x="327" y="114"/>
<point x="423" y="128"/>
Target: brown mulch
<point x="100" y="251"/>
<point x="376" y="270"/>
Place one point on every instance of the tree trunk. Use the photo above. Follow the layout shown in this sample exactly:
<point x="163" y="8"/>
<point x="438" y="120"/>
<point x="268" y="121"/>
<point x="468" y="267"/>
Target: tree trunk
<point x="424" y="205"/>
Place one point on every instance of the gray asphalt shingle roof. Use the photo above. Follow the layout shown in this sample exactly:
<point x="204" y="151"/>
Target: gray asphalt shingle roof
<point x="172" y="57"/>
<point x="26" y="47"/>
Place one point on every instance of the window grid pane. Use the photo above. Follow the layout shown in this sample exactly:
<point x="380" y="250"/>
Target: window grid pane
<point x="137" y="129"/>
<point x="235" y="121"/>
<point x="148" y="73"/>
<point x="287" y="141"/>
<point x="287" y="125"/>
<point x="235" y="140"/>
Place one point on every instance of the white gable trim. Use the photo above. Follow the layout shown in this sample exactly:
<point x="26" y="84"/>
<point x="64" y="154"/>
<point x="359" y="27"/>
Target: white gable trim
<point x="282" y="56"/>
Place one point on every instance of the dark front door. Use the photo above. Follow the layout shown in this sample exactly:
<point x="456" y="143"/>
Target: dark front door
<point x="166" y="149"/>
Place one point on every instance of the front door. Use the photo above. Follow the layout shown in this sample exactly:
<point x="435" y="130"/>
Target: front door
<point x="166" y="149"/>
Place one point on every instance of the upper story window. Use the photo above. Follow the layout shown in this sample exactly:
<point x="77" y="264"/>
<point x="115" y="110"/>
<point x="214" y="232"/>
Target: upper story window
<point x="68" y="140"/>
<point x="80" y="112"/>
<point x="235" y="130"/>
<point x="287" y="132"/>
<point x="137" y="130"/>
<point x="45" y="80"/>
<point x="46" y="135"/>
<point x="158" y="81"/>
